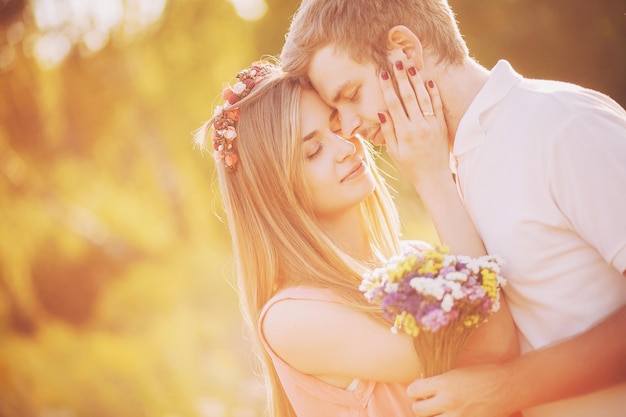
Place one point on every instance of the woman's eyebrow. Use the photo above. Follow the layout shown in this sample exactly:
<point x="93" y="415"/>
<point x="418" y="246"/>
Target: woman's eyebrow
<point x="309" y="136"/>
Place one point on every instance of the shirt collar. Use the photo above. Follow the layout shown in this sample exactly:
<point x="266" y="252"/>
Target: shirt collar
<point x="470" y="133"/>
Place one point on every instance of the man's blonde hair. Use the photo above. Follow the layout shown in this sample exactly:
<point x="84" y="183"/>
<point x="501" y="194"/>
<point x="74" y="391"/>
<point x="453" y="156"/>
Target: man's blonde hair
<point x="359" y="28"/>
<point x="276" y="240"/>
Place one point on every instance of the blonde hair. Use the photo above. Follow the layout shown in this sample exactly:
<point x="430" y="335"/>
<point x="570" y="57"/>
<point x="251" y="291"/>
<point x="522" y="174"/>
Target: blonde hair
<point x="276" y="241"/>
<point x="359" y="28"/>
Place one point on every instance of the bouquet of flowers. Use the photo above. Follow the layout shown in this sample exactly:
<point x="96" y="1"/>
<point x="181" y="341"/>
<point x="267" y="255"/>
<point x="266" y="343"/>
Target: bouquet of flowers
<point x="437" y="298"/>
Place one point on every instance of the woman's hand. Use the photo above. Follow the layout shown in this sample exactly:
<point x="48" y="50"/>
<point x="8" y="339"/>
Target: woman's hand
<point x="414" y="126"/>
<point x="415" y="131"/>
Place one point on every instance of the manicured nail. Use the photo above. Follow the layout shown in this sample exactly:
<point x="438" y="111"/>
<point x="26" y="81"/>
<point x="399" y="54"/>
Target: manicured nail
<point x="384" y="75"/>
<point x="399" y="65"/>
<point x="382" y="118"/>
<point x="431" y="84"/>
<point x="412" y="71"/>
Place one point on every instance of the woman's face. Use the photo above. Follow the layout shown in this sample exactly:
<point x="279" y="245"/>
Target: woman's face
<point x="336" y="170"/>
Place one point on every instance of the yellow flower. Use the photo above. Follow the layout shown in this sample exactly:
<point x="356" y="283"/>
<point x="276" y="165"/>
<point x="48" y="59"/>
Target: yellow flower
<point x="433" y="261"/>
<point x="471" y="321"/>
<point x="406" y="322"/>
<point x="429" y="268"/>
<point x="395" y="275"/>
<point x="400" y="269"/>
<point x="489" y="284"/>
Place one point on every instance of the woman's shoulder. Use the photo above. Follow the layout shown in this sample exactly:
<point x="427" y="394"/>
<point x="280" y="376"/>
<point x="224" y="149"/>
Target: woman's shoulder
<point x="299" y="321"/>
<point x="304" y="293"/>
<point x="296" y="304"/>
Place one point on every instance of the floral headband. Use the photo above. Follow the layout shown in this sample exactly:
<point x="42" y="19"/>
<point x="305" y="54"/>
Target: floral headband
<point x="226" y="115"/>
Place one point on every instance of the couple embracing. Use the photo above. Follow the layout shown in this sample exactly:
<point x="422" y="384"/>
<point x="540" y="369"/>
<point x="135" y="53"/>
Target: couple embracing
<point x="532" y="171"/>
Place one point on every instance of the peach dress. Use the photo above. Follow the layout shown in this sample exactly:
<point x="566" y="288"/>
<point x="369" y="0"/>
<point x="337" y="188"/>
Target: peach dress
<point x="311" y="397"/>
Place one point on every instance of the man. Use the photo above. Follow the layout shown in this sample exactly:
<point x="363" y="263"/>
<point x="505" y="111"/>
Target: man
<point x="541" y="167"/>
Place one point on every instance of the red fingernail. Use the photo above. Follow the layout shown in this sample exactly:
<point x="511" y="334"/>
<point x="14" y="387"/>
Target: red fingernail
<point x="384" y="75"/>
<point x="399" y="65"/>
<point x="382" y="118"/>
<point x="412" y="71"/>
<point x="431" y="84"/>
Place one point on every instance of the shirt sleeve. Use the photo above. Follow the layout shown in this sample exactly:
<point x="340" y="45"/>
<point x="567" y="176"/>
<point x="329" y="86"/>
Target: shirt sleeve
<point x="588" y="177"/>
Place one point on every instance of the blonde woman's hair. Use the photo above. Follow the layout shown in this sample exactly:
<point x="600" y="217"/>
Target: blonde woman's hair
<point x="359" y="28"/>
<point x="276" y="241"/>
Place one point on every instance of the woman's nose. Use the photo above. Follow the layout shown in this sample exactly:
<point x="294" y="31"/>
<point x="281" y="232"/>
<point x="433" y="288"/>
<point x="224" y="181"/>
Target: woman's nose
<point x="345" y="147"/>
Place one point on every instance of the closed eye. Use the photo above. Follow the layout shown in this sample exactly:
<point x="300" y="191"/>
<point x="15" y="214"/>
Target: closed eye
<point x="334" y="122"/>
<point x="353" y="95"/>
<point x="312" y="144"/>
<point x="316" y="151"/>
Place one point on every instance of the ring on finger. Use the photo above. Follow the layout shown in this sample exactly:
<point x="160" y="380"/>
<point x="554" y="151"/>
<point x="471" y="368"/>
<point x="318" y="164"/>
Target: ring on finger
<point x="428" y="113"/>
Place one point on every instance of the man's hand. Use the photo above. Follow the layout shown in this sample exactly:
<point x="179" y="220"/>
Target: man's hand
<point x="477" y="391"/>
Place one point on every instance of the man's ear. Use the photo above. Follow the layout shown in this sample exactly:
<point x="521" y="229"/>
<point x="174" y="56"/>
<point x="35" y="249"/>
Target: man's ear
<point x="401" y="39"/>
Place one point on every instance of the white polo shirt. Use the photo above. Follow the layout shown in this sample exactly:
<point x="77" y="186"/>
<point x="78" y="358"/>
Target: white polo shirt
<point x="541" y="166"/>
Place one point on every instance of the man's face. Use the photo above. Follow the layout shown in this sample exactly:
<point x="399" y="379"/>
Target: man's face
<point x="351" y="88"/>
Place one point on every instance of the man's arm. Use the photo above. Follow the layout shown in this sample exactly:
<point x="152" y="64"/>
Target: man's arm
<point x="587" y="362"/>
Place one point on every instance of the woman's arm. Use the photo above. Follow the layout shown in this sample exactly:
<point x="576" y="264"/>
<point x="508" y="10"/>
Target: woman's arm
<point x="337" y="343"/>
<point x="417" y="141"/>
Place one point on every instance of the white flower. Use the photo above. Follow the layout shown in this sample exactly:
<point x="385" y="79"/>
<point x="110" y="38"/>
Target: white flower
<point x="448" y="260"/>
<point x="217" y="111"/>
<point x="239" y="87"/>
<point x="501" y="280"/>
<point x="369" y="295"/>
<point x="455" y="289"/>
<point x="456" y="276"/>
<point x="391" y="287"/>
<point x="494" y="267"/>
<point x="457" y="293"/>
<point x="474" y="266"/>
<point x="429" y="287"/>
<point x="497" y="259"/>
<point x="463" y="259"/>
<point x="229" y="133"/>
<point x="447" y="303"/>
<point x="438" y="292"/>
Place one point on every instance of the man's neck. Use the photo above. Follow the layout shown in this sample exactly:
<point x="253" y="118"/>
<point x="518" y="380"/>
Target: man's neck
<point x="458" y="86"/>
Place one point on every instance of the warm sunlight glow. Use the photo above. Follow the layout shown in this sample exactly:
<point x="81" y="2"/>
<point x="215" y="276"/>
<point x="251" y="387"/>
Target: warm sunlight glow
<point x="118" y="278"/>
<point x="89" y="23"/>
<point x="141" y="13"/>
<point x="51" y="48"/>
<point x="250" y="9"/>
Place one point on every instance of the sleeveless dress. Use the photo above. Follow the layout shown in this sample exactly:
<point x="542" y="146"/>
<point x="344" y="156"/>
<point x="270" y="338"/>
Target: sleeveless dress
<point x="311" y="397"/>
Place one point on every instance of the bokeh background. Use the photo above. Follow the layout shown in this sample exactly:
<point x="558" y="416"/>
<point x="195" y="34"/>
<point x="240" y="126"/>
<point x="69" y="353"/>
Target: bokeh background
<point x="116" y="276"/>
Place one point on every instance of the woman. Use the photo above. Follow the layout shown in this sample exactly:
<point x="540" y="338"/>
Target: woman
<point x="309" y="213"/>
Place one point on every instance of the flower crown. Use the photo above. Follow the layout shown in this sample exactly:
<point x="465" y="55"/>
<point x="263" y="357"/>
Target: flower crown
<point x="226" y="115"/>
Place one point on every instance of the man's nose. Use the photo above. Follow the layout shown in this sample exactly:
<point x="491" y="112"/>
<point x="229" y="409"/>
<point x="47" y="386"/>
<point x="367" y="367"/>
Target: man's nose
<point x="350" y="124"/>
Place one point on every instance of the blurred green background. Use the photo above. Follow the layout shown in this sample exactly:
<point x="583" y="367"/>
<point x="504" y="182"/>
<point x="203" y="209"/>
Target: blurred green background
<point x="116" y="276"/>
